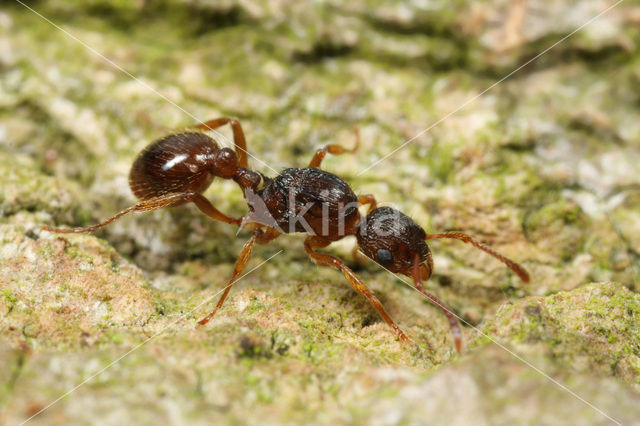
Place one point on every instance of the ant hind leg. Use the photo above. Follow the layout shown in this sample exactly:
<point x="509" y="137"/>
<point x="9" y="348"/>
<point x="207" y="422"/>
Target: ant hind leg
<point x="238" y="136"/>
<point x="334" y="149"/>
<point x="242" y="261"/>
<point x="156" y="203"/>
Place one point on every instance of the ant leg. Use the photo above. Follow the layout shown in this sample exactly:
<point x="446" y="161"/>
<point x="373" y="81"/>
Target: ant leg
<point x="154" y="203"/>
<point x="268" y="235"/>
<point x="324" y="259"/>
<point x="454" y="324"/>
<point x="334" y="149"/>
<point x="368" y="199"/>
<point x="245" y="254"/>
<point x="522" y="273"/>
<point x="238" y="136"/>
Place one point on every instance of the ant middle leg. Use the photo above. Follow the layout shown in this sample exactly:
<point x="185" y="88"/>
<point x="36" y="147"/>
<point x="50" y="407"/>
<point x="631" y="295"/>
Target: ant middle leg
<point x="242" y="261"/>
<point x="324" y="259"/>
<point x="368" y="199"/>
<point x="334" y="149"/>
<point x="238" y="136"/>
<point x="155" y="203"/>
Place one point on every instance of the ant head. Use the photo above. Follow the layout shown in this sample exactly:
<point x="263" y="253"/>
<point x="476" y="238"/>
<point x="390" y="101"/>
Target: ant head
<point x="397" y="243"/>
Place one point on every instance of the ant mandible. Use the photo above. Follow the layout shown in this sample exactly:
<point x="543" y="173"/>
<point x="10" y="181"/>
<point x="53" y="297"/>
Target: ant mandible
<point x="177" y="168"/>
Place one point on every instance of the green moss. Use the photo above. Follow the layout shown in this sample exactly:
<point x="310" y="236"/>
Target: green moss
<point x="9" y="297"/>
<point x="558" y="225"/>
<point x="76" y="252"/>
<point x="166" y="305"/>
<point x="116" y="338"/>
<point x="441" y="161"/>
<point x="593" y="328"/>
<point x="255" y="305"/>
<point x="45" y="251"/>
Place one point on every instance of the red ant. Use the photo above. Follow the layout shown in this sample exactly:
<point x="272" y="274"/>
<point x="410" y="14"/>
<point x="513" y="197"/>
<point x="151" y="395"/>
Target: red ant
<point x="178" y="168"/>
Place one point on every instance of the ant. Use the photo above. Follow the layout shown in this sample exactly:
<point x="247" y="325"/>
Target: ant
<point x="176" y="169"/>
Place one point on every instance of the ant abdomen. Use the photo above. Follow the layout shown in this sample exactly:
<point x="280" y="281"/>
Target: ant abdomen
<point x="181" y="162"/>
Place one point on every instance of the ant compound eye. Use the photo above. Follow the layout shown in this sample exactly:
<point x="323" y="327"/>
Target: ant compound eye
<point x="385" y="258"/>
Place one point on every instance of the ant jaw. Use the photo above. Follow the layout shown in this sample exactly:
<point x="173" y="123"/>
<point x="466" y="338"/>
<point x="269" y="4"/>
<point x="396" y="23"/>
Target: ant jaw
<point x="425" y="272"/>
<point x="421" y="266"/>
<point x="423" y="269"/>
<point x="420" y="269"/>
<point x="426" y="266"/>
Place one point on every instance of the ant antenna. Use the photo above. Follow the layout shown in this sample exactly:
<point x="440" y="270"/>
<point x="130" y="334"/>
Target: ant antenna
<point x="524" y="275"/>
<point x="454" y="324"/>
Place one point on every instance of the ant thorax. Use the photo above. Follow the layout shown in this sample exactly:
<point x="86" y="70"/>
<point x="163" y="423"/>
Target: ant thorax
<point x="307" y="200"/>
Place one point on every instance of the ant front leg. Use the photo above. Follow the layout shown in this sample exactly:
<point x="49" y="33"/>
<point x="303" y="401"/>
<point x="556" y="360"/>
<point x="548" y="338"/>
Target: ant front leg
<point x="242" y="261"/>
<point x="324" y="259"/>
<point x="155" y="203"/>
<point x="238" y="136"/>
<point x="334" y="149"/>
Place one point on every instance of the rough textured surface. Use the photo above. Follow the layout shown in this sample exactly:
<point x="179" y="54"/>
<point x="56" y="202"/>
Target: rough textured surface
<point x="544" y="167"/>
<point x="591" y="329"/>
